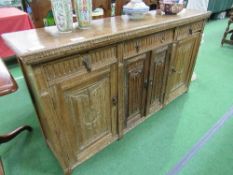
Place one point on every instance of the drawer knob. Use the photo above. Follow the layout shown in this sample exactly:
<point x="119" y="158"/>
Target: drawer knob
<point x="87" y="63"/>
<point x="162" y="40"/>
<point x="190" y="31"/>
<point x="137" y="47"/>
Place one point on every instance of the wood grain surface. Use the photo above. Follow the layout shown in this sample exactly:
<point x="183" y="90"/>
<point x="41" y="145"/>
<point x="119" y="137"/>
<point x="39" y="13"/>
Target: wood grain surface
<point x="90" y="87"/>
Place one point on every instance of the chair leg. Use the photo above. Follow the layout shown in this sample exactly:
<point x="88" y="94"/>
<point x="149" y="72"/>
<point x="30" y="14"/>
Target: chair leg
<point x="1" y="168"/>
<point x="227" y="32"/>
<point x="13" y="134"/>
<point x="231" y="38"/>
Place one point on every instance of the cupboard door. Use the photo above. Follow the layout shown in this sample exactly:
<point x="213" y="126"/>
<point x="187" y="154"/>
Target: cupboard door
<point x="157" y="78"/>
<point x="181" y="66"/>
<point x="87" y="105"/>
<point x="136" y="80"/>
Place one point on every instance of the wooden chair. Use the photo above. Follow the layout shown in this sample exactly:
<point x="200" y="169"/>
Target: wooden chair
<point x="228" y="31"/>
<point x="40" y="9"/>
<point x="7" y="86"/>
<point x="154" y="4"/>
<point x="105" y="5"/>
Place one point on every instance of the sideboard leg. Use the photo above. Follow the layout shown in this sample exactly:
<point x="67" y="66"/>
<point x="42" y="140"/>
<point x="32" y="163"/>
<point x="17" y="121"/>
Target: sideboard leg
<point x="1" y="168"/>
<point x="68" y="171"/>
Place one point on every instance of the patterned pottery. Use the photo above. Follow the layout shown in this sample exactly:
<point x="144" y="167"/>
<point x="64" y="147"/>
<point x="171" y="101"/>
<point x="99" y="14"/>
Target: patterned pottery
<point x="135" y="9"/>
<point x="84" y="13"/>
<point x="62" y="12"/>
<point x="171" y="8"/>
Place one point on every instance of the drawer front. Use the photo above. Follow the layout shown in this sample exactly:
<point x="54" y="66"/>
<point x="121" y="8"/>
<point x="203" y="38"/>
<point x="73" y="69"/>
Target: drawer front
<point x="140" y="45"/>
<point x="188" y="30"/>
<point x="80" y="63"/>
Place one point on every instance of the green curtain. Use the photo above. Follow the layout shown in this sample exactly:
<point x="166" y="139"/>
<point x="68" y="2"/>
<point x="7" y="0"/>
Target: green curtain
<point x="219" y="5"/>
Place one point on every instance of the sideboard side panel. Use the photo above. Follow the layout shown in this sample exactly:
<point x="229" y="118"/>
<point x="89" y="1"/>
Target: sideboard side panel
<point x="43" y="103"/>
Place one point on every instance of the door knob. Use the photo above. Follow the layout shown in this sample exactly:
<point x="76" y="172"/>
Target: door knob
<point x="173" y="70"/>
<point x="145" y="83"/>
<point x="87" y="63"/>
<point x="114" y="100"/>
<point x="151" y="82"/>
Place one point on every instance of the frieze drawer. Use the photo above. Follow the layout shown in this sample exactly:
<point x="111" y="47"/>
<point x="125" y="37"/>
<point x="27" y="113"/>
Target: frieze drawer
<point x="80" y="63"/>
<point x="140" y="45"/>
<point x="188" y="30"/>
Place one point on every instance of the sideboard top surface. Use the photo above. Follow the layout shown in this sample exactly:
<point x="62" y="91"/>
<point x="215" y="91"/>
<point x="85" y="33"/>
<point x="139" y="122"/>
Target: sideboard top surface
<point x="44" y="44"/>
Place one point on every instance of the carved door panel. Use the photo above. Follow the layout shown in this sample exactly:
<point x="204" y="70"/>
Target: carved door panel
<point x="136" y="80"/>
<point x="89" y="111"/>
<point x="181" y="66"/>
<point x="157" y="78"/>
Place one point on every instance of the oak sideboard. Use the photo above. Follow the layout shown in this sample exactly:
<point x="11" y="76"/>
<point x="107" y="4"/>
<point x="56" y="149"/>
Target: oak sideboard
<point x="91" y="86"/>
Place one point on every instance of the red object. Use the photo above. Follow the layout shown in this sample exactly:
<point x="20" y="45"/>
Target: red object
<point x="7" y="82"/>
<point x="12" y="20"/>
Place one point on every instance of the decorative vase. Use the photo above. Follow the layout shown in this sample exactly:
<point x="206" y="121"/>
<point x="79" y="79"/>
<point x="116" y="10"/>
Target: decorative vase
<point x="62" y="12"/>
<point x="171" y="7"/>
<point x="135" y="9"/>
<point x="83" y="10"/>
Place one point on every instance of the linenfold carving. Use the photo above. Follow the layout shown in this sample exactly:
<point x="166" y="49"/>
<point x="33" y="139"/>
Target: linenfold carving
<point x="90" y="111"/>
